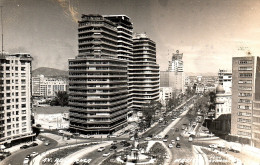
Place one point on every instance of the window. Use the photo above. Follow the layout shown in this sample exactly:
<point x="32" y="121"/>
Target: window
<point x="244" y="101"/>
<point x="245" y="68"/>
<point x="244" y="94"/>
<point x="244" y="107"/>
<point x="245" y="75"/>
<point x="242" y="62"/>
<point x="244" y="133"/>
<point x="243" y="114"/>
<point x="241" y="120"/>
<point x="244" y="88"/>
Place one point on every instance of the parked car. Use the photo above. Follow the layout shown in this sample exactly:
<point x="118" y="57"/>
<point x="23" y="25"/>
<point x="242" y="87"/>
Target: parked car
<point x="166" y="136"/>
<point x="106" y="154"/>
<point x="173" y="141"/>
<point x="164" y="140"/>
<point x="170" y="146"/>
<point x="24" y="146"/>
<point x="101" y="149"/>
<point x="38" y="125"/>
<point x="177" y="138"/>
<point x="190" y="139"/>
<point x="33" y="144"/>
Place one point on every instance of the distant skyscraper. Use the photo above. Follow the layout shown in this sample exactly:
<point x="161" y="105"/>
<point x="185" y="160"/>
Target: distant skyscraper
<point x="15" y="98"/>
<point x="174" y="77"/>
<point x="176" y="65"/>
<point x="245" y="118"/>
<point x="143" y="72"/>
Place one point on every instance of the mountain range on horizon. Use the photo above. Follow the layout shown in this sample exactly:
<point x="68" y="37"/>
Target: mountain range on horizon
<point x="53" y="72"/>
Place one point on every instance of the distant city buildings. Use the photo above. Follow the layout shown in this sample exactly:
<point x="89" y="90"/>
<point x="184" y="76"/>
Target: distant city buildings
<point x="112" y="75"/>
<point x="174" y="77"/>
<point x="165" y="94"/>
<point x="47" y="87"/>
<point x="15" y="98"/>
<point x="245" y="118"/>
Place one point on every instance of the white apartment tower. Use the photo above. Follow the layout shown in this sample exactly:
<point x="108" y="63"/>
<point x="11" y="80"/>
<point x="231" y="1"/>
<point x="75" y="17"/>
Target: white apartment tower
<point x="15" y="98"/>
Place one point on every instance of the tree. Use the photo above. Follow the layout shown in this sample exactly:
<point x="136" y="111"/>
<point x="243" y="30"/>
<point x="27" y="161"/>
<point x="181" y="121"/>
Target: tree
<point x="61" y="98"/>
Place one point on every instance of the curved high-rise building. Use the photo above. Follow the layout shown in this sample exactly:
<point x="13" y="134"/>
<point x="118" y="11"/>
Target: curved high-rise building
<point x="98" y="79"/>
<point x="143" y="72"/>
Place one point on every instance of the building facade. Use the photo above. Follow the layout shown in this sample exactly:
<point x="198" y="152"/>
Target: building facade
<point x="225" y="79"/>
<point x="143" y="72"/>
<point x="176" y="64"/>
<point x="165" y="94"/>
<point x="47" y="87"/>
<point x="245" y="119"/>
<point x="223" y="102"/>
<point x="98" y="78"/>
<point x="15" y="107"/>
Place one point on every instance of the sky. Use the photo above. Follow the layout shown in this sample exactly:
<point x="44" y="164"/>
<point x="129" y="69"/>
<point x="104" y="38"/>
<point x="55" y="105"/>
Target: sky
<point x="208" y="32"/>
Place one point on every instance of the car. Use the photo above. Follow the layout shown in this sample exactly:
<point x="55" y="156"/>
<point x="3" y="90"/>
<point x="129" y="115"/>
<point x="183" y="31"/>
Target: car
<point x="190" y="139"/>
<point x="42" y="138"/>
<point x="2" y="157"/>
<point x="28" y="156"/>
<point x="221" y="145"/>
<point x="148" y="139"/>
<point x="41" y="130"/>
<point x="123" y="142"/>
<point x="173" y="141"/>
<point x="24" y="146"/>
<point x="127" y="144"/>
<point x="132" y="138"/>
<point x="5" y="154"/>
<point x="38" y="125"/>
<point x="159" y="137"/>
<point x="33" y="154"/>
<point x="164" y="140"/>
<point x="26" y="161"/>
<point x="166" y="136"/>
<point x="101" y="149"/>
<point x="113" y="148"/>
<point x="178" y="145"/>
<point x="61" y="132"/>
<point x="177" y="138"/>
<point x="114" y="142"/>
<point x="106" y="154"/>
<point x="46" y="143"/>
<point x="170" y="146"/>
<point x="111" y="136"/>
<point x="215" y="146"/>
<point x="33" y="144"/>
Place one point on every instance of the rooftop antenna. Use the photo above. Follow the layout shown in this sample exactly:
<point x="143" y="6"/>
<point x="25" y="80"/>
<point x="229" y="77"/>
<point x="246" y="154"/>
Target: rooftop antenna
<point x="2" y="30"/>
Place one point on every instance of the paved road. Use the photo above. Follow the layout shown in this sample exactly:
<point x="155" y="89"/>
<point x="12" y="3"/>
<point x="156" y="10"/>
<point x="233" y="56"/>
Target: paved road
<point x="18" y="157"/>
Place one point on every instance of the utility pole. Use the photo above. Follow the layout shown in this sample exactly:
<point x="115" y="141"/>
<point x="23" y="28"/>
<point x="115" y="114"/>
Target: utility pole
<point x="2" y="27"/>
